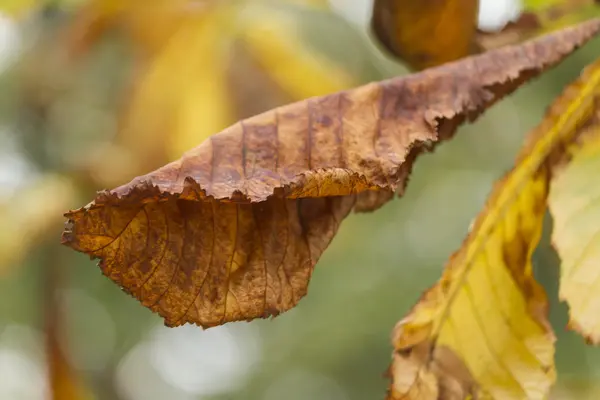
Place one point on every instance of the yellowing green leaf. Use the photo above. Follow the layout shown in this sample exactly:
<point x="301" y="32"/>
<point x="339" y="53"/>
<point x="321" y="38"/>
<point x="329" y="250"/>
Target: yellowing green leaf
<point x="486" y="317"/>
<point x="555" y="14"/>
<point x="428" y="32"/>
<point x="482" y="330"/>
<point x="575" y="205"/>
<point x="540" y="17"/>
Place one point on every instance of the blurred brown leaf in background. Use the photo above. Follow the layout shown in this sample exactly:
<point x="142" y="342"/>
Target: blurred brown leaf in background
<point x="426" y="33"/>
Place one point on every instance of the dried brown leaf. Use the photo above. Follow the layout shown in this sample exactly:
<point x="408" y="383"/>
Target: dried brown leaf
<point x="233" y="230"/>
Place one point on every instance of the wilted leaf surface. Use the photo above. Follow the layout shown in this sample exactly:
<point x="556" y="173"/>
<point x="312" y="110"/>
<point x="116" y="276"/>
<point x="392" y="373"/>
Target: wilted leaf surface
<point x="233" y="229"/>
<point x="426" y="33"/>
<point x="481" y="331"/>
<point x="575" y="206"/>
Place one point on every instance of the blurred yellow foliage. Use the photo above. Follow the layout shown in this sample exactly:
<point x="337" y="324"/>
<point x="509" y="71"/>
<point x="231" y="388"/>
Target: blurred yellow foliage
<point x="36" y="213"/>
<point x="276" y="44"/>
<point x="17" y="8"/>
<point x="181" y="87"/>
<point x="181" y="94"/>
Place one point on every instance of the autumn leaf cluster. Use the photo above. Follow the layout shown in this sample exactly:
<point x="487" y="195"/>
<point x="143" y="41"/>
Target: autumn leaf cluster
<point x="233" y="229"/>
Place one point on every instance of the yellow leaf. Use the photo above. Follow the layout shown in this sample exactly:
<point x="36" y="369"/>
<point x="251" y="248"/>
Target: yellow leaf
<point x="17" y="8"/>
<point x="30" y="215"/>
<point x="149" y="25"/>
<point x="482" y="330"/>
<point x="428" y="32"/>
<point x="557" y="5"/>
<point x="181" y="96"/>
<point x="563" y="13"/>
<point x="575" y="205"/>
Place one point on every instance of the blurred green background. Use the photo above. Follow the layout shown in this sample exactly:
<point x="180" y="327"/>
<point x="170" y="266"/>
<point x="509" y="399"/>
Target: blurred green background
<point x="74" y="119"/>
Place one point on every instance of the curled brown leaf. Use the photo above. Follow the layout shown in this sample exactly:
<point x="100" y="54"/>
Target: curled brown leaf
<point x="233" y="229"/>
